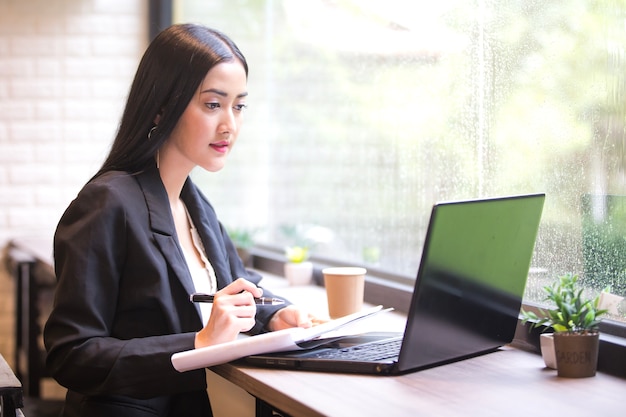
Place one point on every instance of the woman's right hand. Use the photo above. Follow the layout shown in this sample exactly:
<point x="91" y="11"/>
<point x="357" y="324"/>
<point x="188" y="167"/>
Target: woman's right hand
<point x="233" y="312"/>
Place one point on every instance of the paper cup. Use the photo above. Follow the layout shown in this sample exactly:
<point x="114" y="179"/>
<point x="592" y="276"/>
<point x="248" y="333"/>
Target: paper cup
<point x="344" y="290"/>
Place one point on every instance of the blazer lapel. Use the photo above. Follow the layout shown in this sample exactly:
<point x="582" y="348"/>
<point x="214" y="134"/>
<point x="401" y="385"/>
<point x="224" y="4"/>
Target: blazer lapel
<point x="162" y="226"/>
<point x="206" y="223"/>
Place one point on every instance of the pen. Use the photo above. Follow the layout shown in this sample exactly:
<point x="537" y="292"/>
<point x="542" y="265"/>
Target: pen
<point x="208" y="298"/>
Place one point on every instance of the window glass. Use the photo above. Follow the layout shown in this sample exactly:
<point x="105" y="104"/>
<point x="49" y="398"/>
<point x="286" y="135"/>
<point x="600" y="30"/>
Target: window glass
<point x="363" y="113"/>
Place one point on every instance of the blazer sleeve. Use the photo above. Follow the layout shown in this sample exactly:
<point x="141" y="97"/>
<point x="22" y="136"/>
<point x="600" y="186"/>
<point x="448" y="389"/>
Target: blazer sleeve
<point x="88" y="334"/>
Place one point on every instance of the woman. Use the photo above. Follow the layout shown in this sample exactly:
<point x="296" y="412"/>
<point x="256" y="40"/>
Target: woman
<point x="140" y="238"/>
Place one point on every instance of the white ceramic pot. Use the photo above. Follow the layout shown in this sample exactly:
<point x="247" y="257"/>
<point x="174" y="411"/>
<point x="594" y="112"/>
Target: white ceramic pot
<point x="299" y="273"/>
<point x="547" y="350"/>
<point x="610" y="302"/>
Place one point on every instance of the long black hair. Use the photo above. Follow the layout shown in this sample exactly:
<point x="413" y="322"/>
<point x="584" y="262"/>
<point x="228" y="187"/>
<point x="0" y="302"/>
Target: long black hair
<point x="170" y="72"/>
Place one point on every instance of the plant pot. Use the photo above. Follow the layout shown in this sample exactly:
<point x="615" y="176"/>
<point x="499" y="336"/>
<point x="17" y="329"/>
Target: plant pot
<point x="299" y="273"/>
<point x="547" y="350"/>
<point x="610" y="302"/>
<point x="576" y="354"/>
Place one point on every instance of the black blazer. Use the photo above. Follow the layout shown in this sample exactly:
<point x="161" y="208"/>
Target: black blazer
<point x="122" y="302"/>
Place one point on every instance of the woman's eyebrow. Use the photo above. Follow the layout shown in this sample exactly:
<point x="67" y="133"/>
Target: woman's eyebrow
<point x="222" y="93"/>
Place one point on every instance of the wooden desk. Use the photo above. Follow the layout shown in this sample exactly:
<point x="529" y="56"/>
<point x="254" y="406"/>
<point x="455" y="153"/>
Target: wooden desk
<point x="509" y="382"/>
<point x="11" y="394"/>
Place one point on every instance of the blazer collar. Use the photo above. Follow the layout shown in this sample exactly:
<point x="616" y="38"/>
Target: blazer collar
<point x="206" y="223"/>
<point x="162" y="225"/>
<point x="157" y="202"/>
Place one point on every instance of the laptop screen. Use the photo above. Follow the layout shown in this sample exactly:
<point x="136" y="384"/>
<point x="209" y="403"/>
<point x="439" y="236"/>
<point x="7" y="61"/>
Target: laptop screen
<point x="471" y="278"/>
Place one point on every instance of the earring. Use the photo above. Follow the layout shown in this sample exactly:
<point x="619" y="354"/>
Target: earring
<point x="157" y="159"/>
<point x="151" y="131"/>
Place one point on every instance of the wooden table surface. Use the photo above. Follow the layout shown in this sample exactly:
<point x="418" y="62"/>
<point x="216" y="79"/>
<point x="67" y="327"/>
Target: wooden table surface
<point x="509" y="382"/>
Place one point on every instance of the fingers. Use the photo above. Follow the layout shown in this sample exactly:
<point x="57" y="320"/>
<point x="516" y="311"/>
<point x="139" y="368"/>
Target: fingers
<point x="222" y="330"/>
<point x="241" y="285"/>
<point x="230" y="315"/>
<point x="292" y="316"/>
<point x="303" y="319"/>
<point x="233" y="312"/>
<point x="236" y="306"/>
<point x="239" y="293"/>
<point x="315" y="321"/>
<point x="240" y="318"/>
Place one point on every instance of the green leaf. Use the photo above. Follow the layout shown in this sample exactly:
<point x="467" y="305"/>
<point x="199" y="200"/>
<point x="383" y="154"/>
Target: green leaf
<point x="572" y="311"/>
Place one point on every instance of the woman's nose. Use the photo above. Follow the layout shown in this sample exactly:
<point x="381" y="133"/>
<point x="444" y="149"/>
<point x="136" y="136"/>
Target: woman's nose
<point x="228" y="123"/>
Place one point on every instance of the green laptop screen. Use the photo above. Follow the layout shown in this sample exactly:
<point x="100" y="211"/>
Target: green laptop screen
<point x="472" y="277"/>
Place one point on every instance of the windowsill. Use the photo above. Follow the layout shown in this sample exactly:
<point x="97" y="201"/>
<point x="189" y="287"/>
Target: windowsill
<point x="390" y="290"/>
<point x="397" y="294"/>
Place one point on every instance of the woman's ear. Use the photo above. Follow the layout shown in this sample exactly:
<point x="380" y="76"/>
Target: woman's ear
<point x="157" y="118"/>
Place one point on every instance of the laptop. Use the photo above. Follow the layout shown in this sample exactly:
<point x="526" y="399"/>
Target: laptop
<point x="466" y="299"/>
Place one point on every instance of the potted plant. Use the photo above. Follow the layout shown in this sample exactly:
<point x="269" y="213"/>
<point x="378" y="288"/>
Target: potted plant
<point x="575" y="323"/>
<point x="298" y="270"/>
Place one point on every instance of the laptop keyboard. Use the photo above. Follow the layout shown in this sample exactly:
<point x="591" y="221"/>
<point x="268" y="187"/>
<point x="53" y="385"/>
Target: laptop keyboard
<point x="375" y="351"/>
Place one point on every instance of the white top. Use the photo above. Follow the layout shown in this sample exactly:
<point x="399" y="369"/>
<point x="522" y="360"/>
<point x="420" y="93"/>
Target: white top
<point x="204" y="279"/>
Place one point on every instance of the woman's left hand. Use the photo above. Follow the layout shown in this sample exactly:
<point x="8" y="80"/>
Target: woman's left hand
<point x="292" y="316"/>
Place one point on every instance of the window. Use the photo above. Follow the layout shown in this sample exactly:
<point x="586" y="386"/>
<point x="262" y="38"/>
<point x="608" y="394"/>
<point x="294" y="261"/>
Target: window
<point x="363" y="113"/>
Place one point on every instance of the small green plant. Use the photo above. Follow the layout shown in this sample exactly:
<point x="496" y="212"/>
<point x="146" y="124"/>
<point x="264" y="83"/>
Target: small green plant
<point x="297" y="254"/>
<point x="242" y="238"/>
<point x="572" y="314"/>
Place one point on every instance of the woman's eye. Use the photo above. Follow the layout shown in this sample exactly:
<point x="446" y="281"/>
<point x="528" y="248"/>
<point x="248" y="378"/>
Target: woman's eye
<point x="213" y="106"/>
<point x="240" y="107"/>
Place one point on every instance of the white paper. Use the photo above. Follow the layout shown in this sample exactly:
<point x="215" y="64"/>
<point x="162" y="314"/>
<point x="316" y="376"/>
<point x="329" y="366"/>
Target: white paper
<point x="282" y="340"/>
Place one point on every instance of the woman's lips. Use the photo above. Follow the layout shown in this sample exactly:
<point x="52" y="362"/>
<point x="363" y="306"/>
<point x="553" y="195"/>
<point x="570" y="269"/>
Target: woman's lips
<point x="221" y="147"/>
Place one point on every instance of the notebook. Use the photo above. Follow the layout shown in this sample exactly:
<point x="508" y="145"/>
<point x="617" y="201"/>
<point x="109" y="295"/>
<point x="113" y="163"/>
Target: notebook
<point x="281" y="340"/>
<point x="466" y="299"/>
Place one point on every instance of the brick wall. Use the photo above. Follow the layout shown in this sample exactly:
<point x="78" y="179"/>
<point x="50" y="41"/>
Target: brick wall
<point x="65" y="70"/>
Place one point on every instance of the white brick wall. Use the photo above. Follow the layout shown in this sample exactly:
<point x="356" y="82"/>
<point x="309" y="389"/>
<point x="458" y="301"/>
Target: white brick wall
<point x="65" y="70"/>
